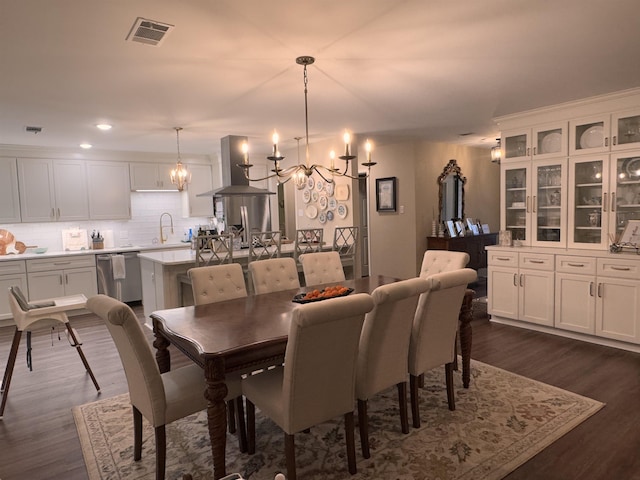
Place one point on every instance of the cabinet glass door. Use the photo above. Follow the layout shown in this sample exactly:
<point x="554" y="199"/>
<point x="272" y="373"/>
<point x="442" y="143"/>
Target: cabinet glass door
<point x="516" y="144"/>
<point x="588" y="180"/>
<point x="589" y="135"/>
<point x="626" y="130"/>
<point x="516" y="202"/>
<point x="550" y="141"/>
<point x="549" y="203"/>
<point x="625" y="199"/>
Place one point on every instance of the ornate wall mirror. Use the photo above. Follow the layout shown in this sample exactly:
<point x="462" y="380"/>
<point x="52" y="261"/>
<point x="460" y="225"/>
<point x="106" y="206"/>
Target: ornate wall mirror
<point x="451" y="193"/>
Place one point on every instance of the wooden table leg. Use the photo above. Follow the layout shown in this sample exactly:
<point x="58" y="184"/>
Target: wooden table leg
<point x="161" y="344"/>
<point x="465" y="317"/>
<point x="216" y="413"/>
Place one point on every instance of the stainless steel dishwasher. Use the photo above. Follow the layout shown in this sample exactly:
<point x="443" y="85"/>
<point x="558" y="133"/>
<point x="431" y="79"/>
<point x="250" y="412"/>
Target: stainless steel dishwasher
<point x="127" y="289"/>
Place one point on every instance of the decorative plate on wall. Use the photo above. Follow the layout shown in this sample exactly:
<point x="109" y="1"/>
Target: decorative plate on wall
<point x="319" y="185"/>
<point x="322" y="202"/>
<point x="322" y="218"/>
<point x="330" y="215"/>
<point x="329" y="187"/>
<point x="314" y="196"/>
<point x="333" y="203"/>
<point x="306" y="196"/>
<point x="342" y="192"/>
<point x="342" y="210"/>
<point x="310" y="183"/>
<point x="311" y="211"/>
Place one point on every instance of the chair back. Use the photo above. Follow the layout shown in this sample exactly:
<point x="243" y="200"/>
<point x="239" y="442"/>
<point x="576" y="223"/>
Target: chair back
<point x="264" y="245"/>
<point x="322" y="267"/>
<point x="217" y="283"/>
<point x="146" y="389"/>
<point x="438" y="261"/>
<point x="345" y="242"/>
<point x="214" y="249"/>
<point x="308" y="240"/>
<point x="27" y="316"/>
<point x="274" y="275"/>
<point x="436" y="320"/>
<point x="384" y="342"/>
<point x="320" y="360"/>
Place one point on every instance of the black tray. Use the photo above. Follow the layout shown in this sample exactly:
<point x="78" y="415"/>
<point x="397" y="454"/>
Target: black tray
<point x="300" y="297"/>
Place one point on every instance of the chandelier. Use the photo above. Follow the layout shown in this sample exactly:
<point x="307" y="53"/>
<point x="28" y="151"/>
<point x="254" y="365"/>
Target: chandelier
<point x="180" y="176"/>
<point x="300" y="172"/>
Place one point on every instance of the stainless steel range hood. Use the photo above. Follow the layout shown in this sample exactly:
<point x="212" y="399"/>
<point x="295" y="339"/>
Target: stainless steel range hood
<point x="233" y="179"/>
<point x="237" y="202"/>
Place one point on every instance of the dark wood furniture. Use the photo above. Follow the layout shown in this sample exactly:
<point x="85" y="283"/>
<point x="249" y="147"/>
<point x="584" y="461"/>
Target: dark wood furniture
<point x="472" y="244"/>
<point x="237" y="335"/>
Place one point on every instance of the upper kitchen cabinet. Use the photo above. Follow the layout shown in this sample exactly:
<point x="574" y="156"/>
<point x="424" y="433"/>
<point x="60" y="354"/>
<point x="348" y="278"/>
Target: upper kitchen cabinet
<point x="605" y="132"/>
<point x="151" y="176"/>
<point x="9" y="197"/>
<point x="540" y="142"/>
<point x="52" y="190"/>
<point x="109" y="195"/>
<point x="201" y="182"/>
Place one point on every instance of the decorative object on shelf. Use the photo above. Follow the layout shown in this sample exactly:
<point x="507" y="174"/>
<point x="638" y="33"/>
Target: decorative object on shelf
<point x="180" y="176"/>
<point x="496" y="152"/>
<point x="301" y="172"/>
<point x="551" y="143"/>
<point x="592" y="137"/>
<point x="504" y="238"/>
<point x="451" y="229"/>
<point x="386" y="194"/>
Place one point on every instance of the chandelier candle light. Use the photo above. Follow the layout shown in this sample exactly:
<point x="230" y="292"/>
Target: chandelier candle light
<point x="300" y="172"/>
<point x="180" y="176"/>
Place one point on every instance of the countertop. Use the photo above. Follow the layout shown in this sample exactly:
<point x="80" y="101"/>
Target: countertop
<point x="177" y="257"/>
<point x="176" y="247"/>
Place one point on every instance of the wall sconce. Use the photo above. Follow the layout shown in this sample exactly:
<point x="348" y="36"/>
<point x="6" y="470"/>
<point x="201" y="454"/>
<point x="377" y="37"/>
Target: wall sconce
<point x="496" y="152"/>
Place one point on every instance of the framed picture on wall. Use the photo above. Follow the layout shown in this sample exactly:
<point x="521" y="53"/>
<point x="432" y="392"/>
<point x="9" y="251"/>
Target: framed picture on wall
<point x="386" y="194"/>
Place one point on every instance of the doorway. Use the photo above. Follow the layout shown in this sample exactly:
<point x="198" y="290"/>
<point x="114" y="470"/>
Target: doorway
<point x="364" y="224"/>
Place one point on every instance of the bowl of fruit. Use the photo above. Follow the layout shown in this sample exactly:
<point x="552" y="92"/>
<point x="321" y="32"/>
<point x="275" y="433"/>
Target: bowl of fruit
<point x="328" y="292"/>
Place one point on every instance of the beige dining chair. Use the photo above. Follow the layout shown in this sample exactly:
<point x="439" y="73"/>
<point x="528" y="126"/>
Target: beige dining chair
<point x="317" y="381"/>
<point x="433" y="332"/>
<point x="438" y="261"/>
<point x="217" y="283"/>
<point x="384" y="349"/>
<point x="322" y="267"/>
<point x="161" y="398"/>
<point x="274" y="275"/>
<point x="40" y="315"/>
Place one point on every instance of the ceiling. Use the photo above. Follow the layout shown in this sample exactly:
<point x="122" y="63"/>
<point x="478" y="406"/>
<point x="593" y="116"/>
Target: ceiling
<point x="431" y="69"/>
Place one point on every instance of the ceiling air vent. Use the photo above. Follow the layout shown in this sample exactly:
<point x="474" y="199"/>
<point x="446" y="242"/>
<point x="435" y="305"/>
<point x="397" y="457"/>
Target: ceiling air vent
<point x="148" y="31"/>
<point x="33" y="129"/>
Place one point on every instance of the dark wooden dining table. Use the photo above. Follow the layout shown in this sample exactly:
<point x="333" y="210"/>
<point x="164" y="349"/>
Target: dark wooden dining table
<point x="237" y="336"/>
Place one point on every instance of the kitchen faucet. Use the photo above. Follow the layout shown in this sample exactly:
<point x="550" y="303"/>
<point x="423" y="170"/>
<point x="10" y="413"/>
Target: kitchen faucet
<point x="162" y="237"/>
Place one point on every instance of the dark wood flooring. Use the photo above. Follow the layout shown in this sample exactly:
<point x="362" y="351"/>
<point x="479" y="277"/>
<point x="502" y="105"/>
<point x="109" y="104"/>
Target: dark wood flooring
<point x="38" y="438"/>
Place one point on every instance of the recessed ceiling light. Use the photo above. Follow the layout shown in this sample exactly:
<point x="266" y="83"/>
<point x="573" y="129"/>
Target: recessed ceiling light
<point x="103" y="126"/>
<point x="86" y="146"/>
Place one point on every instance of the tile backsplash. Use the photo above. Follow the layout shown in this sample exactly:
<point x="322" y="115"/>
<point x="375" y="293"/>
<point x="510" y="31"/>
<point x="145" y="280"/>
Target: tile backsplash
<point x="142" y="229"/>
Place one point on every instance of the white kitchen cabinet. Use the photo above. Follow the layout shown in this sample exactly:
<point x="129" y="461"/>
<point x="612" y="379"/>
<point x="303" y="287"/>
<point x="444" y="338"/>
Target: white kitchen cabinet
<point x="575" y="297"/>
<point x="521" y="286"/>
<point x="618" y="299"/>
<point x="515" y="210"/>
<point x="605" y="132"/>
<point x="539" y="142"/>
<point x="60" y="276"/>
<point x="201" y="182"/>
<point x="9" y="196"/>
<point x="151" y="176"/>
<point x="12" y="273"/>
<point x="624" y="201"/>
<point x="109" y="190"/>
<point x="52" y="190"/>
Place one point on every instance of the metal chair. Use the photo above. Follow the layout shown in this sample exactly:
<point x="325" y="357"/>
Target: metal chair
<point x="39" y="315"/>
<point x="345" y="242"/>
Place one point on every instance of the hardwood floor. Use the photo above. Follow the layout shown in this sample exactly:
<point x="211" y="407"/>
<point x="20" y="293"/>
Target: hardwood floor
<point x="38" y="438"/>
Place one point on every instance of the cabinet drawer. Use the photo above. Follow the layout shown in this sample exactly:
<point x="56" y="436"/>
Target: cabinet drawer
<point x="11" y="268"/>
<point x="571" y="264"/>
<point x="536" y="261"/>
<point x="504" y="259"/>
<point x="60" y="263"/>
<point x="619" y="267"/>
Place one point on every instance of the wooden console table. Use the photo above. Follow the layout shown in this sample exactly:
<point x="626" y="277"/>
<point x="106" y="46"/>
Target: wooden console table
<point x="472" y="244"/>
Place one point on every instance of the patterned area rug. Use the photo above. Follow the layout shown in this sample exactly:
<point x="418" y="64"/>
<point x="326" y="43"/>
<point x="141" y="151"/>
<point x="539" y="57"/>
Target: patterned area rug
<point x="499" y="423"/>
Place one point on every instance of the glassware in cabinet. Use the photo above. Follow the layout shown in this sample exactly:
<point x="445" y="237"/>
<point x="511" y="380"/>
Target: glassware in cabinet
<point x="549" y="203"/>
<point x="626" y="130"/>
<point x="588" y="201"/>
<point x="516" y="201"/>
<point x="625" y="192"/>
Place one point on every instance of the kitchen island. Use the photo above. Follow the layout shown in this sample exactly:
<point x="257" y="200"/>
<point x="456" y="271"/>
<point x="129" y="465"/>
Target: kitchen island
<point x="161" y="272"/>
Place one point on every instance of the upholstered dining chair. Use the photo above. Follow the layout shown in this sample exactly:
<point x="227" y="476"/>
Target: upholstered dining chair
<point x="35" y="316"/>
<point x="438" y="261"/>
<point x="322" y="267"/>
<point x="384" y="349"/>
<point x="217" y="283"/>
<point x="434" y="330"/>
<point x="160" y="398"/>
<point x="317" y="381"/>
<point x="274" y="275"/>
